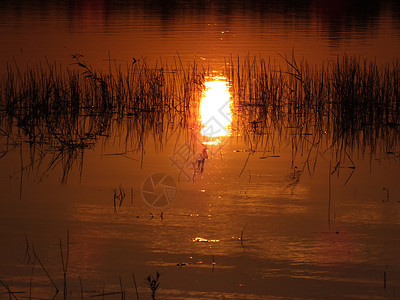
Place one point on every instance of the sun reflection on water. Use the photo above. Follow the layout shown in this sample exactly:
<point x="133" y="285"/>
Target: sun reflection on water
<point x="215" y="110"/>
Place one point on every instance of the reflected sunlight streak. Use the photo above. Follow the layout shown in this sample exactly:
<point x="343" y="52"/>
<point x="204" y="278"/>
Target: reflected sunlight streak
<point x="215" y="110"/>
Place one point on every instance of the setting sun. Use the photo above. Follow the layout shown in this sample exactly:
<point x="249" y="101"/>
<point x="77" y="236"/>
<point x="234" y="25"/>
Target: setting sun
<point x="215" y="108"/>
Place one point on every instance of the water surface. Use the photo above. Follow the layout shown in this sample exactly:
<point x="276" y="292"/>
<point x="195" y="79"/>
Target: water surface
<point x="197" y="29"/>
<point x="266" y="205"/>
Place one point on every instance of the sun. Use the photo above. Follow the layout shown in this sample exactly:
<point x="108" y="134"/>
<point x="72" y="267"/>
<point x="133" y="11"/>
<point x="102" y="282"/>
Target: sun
<point x="215" y="108"/>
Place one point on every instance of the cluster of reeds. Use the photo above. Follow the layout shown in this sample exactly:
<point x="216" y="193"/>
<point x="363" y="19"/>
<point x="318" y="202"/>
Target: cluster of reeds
<point x="59" y="112"/>
<point x="52" y="89"/>
<point x="62" y="111"/>
<point x="354" y="101"/>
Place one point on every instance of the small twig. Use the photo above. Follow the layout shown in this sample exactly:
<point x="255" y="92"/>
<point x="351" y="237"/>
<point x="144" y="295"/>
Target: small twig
<point x="65" y="263"/>
<point x="115" y="205"/>
<point x="387" y="194"/>
<point x="353" y="166"/>
<point x="136" y="289"/>
<point x="329" y="196"/>
<point x="384" y="279"/>
<point x="45" y="271"/>
<point x="105" y="294"/>
<point x="30" y="280"/>
<point x="121" y="289"/>
<point x="241" y="237"/>
<point x="348" y="178"/>
<point x="245" y="164"/>
<point x="121" y="195"/>
<point x="27" y="255"/>
<point x="10" y="293"/>
<point x="213" y="263"/>
<point x="80" y="283"/>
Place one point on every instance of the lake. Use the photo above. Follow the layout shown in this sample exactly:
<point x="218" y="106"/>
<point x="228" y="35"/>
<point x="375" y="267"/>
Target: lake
<point x="240" y="149"/>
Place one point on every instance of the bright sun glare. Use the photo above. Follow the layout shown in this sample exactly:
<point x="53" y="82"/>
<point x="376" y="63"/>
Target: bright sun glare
<point x="215" y="108"/>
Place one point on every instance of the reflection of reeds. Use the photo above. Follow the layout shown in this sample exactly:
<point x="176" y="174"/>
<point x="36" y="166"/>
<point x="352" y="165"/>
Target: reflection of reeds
<point x="62" y="112"/>
<point x="348" y="105"/>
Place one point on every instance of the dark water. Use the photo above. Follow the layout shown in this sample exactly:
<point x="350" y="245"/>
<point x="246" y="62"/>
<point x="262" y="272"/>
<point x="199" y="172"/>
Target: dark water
<point x="207" y="30"/>
<point x="280" y="206"/>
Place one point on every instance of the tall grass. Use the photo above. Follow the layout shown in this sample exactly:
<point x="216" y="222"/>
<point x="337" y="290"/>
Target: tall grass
<point x="52" y="89"/>
<point x="347" y="94"/>
<point x="60" y="112"/>
<point x="350" y="91"/>
<point x="354" y="102"/>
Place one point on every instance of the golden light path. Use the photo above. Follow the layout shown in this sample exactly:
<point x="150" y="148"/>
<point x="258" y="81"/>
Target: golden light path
<point x="215" y="110"/>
